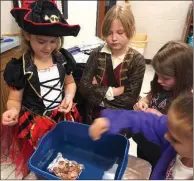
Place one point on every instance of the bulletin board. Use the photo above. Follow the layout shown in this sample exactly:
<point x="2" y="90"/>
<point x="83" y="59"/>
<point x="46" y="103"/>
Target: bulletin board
<point x="61" y="4"/>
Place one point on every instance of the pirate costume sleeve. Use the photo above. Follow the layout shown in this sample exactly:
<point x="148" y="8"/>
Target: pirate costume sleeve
<point x="160" y="100"/>
<point x="43" y="89"/>
<point x="129" y="73"/>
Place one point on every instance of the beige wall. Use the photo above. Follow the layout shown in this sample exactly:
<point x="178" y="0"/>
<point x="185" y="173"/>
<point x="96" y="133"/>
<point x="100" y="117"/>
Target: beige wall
<point x="79" y="12"/>
<point x="8" y="24"/>
<point x="84" y="14"/>
<point x="161" y="20"/>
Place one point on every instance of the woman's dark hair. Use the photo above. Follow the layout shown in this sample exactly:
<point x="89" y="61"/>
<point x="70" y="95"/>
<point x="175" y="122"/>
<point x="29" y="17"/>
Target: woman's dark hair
<point x="174" y="59"/>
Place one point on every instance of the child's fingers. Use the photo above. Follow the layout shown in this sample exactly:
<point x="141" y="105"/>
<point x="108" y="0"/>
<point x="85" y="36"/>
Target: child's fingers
<point x="103" y="130"/>
<point x="62" y="107"/>
<point x="138" y="106"/>
<point x="10" y="117"/>
<point x="148" y="110"/>
<point x="94" y="131"/>
<point x="135" y="107"/>
<point x="68" y="108"/>
<point x="65" y="107"/>
<point x="6" y="121"/>
<point x="99" y="127"/>
<point x="14" y="116"/>
<point x="95" y="135"/>
<point x="11" y="123"/>
<point x="6" y="117"/>
<point x="98" y="133"/>
<point x="143" y="106"/>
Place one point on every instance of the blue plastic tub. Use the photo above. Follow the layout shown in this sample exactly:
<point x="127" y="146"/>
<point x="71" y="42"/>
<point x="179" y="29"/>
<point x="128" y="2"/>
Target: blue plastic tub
<point x="73" y="141"/>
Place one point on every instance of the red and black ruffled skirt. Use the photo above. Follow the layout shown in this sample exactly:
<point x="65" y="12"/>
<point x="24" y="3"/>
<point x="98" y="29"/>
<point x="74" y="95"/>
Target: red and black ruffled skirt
<point x="20" y="141"/>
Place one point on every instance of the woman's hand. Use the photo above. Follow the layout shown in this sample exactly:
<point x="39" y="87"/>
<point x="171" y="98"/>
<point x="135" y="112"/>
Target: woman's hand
<point x="118" y="91"/>
<point x="99" y="126"/>
<point x="10" y="117"/>
<point x="66" y="104"/>
<point x="154" y="111"/>
<point x="141" y="105"/>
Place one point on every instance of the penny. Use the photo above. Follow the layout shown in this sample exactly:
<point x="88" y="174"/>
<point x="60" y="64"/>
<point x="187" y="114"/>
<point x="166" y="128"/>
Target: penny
<point x="55" y="169"/>
<point x="64" y="107"/>
<point x="73" y="178"/>
<point x="74" y="162"/>
<point x="77" y="169"/>
<point x="81" y="166"/>
<point x="61" y="166"/>
<point x="61" y="162"/>
<point x="67" y="165"/>
<point x="69" y="175"/>
<point x="58" y="174"/>
<point x="71" y="168"/>
<point x="64" y="176"/>
<point x="66" y="169"/>
<point x="74" y="174"/>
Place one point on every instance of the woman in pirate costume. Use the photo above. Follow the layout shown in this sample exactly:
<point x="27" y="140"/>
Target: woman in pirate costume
<point x="41" y="84"/>
<point x="114" y="73"/>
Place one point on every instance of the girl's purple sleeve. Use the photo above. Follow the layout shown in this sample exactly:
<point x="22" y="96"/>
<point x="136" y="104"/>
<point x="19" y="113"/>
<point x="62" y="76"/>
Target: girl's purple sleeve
<point x="153" y="127"/>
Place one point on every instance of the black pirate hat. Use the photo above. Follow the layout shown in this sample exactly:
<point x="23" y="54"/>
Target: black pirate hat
<point x="42" y="17"/>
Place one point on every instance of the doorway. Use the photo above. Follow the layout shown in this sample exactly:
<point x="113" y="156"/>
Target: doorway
<point x="102" y="7"/>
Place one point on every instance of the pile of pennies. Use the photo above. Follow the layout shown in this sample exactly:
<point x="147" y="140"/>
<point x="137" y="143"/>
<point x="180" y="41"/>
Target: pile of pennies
<point x="68" y="170"/>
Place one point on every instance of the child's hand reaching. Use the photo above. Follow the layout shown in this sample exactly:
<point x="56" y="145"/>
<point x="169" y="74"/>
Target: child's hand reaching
<point x="10" y="117"/>
<point x="141" y="105"/>
<point x="118" y="91"/>
<point x="66" y="104"/>
<point x="100" y="126"/>
<point x="154" y="111"/>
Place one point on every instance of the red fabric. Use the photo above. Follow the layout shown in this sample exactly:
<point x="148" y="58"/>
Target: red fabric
<point x="117" y="75"/>
<point x="7" y="134"/>
<point x="28" y="11"/>
<point x="41" y="126"/>
<point x="21" y="150"/>
<point x="15" y="143"/>
<point x="76" y="114"/>
<point x="68" y="117"/>
<point x="13" y="88"/>
<point x="26" y="3"/>
<point x="54" y="113"/>
<point x="21" y="121"/>
<point x="18" y="150"/>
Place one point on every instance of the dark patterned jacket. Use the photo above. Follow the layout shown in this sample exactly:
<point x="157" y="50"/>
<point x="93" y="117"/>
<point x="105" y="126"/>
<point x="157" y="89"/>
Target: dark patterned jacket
<point x="131" y="77"/>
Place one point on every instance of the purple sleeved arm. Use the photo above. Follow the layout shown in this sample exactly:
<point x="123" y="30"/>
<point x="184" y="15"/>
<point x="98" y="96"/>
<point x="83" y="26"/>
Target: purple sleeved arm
<point x="152" y="126"/>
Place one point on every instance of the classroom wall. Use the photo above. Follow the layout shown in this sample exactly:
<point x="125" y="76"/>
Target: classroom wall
<point x="161" y="20"/>
<point x="79" y="12"/>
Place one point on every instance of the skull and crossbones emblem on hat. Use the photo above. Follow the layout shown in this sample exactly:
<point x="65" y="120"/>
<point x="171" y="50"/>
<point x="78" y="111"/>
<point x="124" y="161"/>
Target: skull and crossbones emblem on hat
<point x="52" y="18"/>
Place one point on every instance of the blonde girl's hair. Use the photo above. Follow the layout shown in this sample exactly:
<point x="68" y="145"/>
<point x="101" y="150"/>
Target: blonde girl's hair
<point x="26" y="47"/>
<point x="122" y="13"/>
